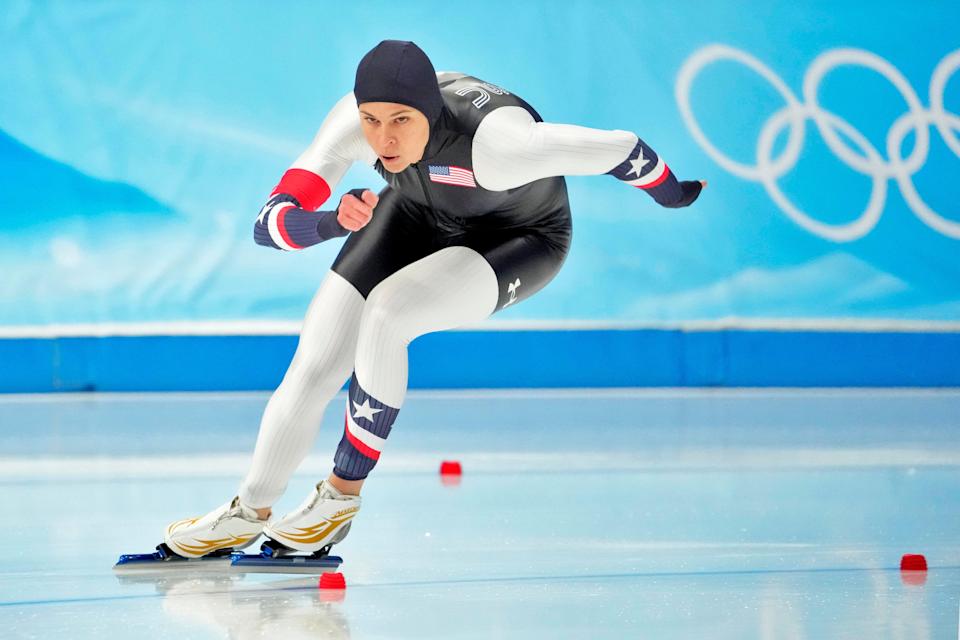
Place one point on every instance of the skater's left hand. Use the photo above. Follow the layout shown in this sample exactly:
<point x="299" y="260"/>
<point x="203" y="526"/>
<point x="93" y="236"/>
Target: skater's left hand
<point x="691" y="191"/>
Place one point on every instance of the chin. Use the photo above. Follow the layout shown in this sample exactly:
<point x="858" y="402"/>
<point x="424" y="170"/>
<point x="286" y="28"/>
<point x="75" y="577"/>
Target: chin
<point x="396" y="166"/>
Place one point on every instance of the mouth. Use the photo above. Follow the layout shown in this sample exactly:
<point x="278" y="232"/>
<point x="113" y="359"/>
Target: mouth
<point x="389" y="159"/>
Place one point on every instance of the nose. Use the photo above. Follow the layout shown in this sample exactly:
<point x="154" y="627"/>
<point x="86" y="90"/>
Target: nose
<point x="387" y="140"/>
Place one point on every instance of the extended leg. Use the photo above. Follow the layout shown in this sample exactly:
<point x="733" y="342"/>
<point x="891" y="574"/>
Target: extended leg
<point x="322" y="362"/>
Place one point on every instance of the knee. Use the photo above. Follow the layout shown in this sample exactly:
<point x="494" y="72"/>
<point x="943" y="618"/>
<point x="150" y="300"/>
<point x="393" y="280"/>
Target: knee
<point x="388" y="314"/>
<point x="318" y="365"/>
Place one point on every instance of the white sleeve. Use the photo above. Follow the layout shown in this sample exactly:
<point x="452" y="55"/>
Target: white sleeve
<point x="511" y="149"/>
<point x="338" y="144"/>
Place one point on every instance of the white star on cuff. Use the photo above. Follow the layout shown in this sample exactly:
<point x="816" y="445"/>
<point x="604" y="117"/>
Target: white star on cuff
<point x="638" y="163"/>
<point x="365" y="410"/>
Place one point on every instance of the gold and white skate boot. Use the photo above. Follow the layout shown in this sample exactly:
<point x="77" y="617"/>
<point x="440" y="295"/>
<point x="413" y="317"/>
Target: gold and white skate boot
<point x="322" y="520"/>
<point x="229" y="526"/>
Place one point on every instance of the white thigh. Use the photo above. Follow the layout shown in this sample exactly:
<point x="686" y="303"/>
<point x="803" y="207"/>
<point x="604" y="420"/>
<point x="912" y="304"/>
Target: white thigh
<point x="446" y="289"/>
<point x="329" y="334"/>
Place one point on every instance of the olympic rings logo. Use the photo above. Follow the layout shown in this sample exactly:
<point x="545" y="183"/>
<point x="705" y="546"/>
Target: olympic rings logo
<point x="865" y="158"/>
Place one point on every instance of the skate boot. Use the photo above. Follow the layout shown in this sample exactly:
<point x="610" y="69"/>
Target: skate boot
<point x="321" y="521"/>
<point x="230" y="526"/>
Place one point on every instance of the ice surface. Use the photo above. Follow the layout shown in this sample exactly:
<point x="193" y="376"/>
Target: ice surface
<point x="620" y="514"/>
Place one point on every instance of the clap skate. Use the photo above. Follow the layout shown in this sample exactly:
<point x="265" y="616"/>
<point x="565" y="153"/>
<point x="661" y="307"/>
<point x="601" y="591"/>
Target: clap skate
<point x="301" y="541"/>
<point x="205" y="542"/>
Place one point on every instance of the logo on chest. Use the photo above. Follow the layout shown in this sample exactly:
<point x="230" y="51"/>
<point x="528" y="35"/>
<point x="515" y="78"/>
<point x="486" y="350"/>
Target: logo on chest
<point x="456" y="176"/>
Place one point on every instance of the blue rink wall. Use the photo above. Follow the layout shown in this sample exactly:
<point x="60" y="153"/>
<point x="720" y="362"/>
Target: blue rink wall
<point x="502" y="359"/>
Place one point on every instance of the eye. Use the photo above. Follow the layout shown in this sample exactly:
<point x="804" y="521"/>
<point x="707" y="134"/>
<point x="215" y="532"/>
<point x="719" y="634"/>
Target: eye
<point x="402" y="119"/>
<point x="370" y="119"/>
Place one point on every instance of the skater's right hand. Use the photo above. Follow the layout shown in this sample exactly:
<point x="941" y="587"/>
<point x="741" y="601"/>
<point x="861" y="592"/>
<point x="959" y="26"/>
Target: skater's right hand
<point x="354" y="213"/>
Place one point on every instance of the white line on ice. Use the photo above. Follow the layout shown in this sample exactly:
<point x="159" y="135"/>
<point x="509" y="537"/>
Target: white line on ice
<point x="235" y="465"/>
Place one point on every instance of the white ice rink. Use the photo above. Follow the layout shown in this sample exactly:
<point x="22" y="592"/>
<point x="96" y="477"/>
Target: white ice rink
<point x="610" y="514"/>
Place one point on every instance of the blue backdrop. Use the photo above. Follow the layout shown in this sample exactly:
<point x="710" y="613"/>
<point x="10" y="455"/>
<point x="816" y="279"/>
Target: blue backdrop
<point x="138" y="141"/>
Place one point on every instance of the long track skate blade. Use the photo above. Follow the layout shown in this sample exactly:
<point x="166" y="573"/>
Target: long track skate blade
<point x="161" y="561"/>
<point x="251" y="563"/>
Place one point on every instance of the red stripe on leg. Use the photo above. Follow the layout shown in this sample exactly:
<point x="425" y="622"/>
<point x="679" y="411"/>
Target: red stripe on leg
<point x="373" y="454"/>
<point x="281" y="226"/>
<point x="658" y="181"/>
<point x="307" y="187"/>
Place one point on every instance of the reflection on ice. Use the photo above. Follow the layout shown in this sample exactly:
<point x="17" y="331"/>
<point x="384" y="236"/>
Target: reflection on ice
<point x="289" y="609"/>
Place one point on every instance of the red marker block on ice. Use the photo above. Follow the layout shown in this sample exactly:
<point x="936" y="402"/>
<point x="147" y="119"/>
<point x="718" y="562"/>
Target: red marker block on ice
<point x="450" y="468"/>
<point x="451" y="473"/>
<point x="332" y="587"/>
<point x="913" y="569"/>
<point x="332" y="581"/>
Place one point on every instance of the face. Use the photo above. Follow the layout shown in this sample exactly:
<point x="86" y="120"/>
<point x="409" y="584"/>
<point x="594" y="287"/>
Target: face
<point x="397" y="132"/>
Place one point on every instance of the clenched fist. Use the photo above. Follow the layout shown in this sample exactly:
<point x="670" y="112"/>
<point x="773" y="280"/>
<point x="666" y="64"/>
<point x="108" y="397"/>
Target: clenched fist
<point x="354" y="213"/>
<point x="691" y="191"/>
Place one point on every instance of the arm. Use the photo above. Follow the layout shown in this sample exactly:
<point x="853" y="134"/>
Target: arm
<point x="511" y="149"/>
<point x="289" y="220"/>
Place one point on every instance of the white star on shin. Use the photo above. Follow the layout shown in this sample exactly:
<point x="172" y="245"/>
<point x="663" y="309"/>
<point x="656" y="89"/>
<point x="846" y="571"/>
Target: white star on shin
<point x="365" y="410"/>
<point x="638" y="163"/>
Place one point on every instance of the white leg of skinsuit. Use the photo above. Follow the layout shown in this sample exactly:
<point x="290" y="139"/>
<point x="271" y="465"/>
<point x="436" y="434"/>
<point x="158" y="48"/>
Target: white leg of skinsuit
<point x="323" y="361"/>
<point x="446" y="289"/>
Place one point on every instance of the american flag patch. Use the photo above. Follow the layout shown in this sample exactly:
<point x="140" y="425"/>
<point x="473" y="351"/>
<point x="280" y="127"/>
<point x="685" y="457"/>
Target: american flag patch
<point x="452" y="175"/>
